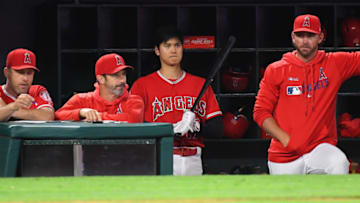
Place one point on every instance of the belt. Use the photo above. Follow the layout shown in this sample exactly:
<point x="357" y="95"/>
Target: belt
<point x="185" y="151"/>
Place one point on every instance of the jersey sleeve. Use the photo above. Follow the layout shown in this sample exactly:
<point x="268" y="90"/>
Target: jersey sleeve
<point x="348" y="63"/>
<point x="133" y="111"/>
<point x="42" y="97"/>
<point x="70" y="110"/>
<point x="267" y="96"/>
<point x="212" y="107"/>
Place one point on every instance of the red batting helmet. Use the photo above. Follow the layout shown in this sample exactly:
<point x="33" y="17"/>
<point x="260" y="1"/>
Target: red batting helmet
<point x="235" y="125"/>
<point x="350" y="28"/>
<point x="235" y="80"/>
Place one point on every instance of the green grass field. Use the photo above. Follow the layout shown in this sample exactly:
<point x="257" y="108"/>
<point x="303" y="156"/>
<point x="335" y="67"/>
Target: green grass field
<point x="208" y="188"/>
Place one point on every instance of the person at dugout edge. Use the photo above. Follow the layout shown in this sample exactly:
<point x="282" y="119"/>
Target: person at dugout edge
<point x="168" y="95"/>
<point x="19" y="98"/>
<point x="110" y="100"/>
<point x="296" y="104"/>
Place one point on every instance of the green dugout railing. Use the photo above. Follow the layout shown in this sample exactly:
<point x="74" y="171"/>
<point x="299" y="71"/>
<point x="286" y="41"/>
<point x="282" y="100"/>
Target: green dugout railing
<point x="14" y="135"/>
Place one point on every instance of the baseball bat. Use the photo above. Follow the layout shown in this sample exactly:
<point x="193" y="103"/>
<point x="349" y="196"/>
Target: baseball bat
<point x="223" y="54"/>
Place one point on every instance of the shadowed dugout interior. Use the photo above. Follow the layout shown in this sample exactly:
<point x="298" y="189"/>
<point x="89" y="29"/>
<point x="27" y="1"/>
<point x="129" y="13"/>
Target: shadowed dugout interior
<point x="133" y="157"/>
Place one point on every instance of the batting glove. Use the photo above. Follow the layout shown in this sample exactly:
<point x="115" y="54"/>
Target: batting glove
<point x="196" y="126"/>
<point x="186" y="124"/>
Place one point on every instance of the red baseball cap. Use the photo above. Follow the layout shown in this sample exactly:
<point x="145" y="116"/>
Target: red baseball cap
<point x="19" y="59"/>
<point x="110" y="64"/>
<point x="307" y="23"/>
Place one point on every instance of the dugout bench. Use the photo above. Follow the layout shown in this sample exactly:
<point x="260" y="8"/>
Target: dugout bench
<point x="81" y="148"/>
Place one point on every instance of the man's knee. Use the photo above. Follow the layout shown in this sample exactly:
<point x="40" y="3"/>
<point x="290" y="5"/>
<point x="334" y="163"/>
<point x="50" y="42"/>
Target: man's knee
<point x="339" y="164"/>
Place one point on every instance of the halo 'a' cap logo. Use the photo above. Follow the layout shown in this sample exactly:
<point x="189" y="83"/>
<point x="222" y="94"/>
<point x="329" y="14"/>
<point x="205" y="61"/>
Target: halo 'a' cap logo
<point x="119" y="62"/>
<point x="306" y="22"/>
<point x="27" y="58"/>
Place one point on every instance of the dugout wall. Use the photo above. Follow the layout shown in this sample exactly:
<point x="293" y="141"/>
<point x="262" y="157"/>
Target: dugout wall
<point x="91" y="28"/>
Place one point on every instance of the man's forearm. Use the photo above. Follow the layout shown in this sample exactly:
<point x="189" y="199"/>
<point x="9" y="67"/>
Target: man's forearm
<point x="271" y="127"/>
<point x="46" y="114"/>
<point x="6" y="111"/>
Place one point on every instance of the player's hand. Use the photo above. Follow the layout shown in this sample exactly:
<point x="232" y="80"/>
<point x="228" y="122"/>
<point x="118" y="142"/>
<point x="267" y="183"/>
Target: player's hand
<point x="196" y="126"/>
<point x="295" y="145"/>
<point x="285" y="141"/>
<point x="23" y="101"/>
<point x="90" y="115"/>
<point x="186" y="124"/>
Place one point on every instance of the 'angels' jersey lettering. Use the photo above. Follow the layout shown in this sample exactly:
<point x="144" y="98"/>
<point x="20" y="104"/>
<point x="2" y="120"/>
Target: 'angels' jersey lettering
<point x="178" y="103"/>
<point x="308" y="89"/>
<point x="166" y="101"/>
<point x="157" y="109"/>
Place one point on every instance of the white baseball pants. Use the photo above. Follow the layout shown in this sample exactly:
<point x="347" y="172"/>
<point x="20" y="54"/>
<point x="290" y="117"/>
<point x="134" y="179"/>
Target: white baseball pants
<point x="323" y="159"/>
<point x="188" y="165"/>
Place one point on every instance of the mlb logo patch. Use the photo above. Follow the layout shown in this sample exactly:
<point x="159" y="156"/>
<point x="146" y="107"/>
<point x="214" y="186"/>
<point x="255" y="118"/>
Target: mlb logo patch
<point x="294" y="90"/>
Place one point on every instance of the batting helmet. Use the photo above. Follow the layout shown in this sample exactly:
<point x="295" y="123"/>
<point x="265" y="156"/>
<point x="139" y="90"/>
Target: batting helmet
<point x="349" y="127"/>
<point x="234" y="80"/>
<point x="235" y="125"/>
<point x="350" y="29"/>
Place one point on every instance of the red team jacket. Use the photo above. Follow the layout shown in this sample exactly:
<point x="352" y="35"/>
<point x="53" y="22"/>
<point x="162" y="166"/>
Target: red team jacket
<point x="166" y="100"/>
<point x="302" y="99"/>
<point x="38" y="92"/>
<point x="127" y="108"/>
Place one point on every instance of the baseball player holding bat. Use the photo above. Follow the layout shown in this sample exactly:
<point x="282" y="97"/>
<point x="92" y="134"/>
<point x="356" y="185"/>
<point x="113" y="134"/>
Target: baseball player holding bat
<point x="296" y="104"/>
<point x="169" y="94"/>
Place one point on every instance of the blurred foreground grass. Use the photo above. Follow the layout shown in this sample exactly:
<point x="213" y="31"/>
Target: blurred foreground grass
<point x="207" y="188"/>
